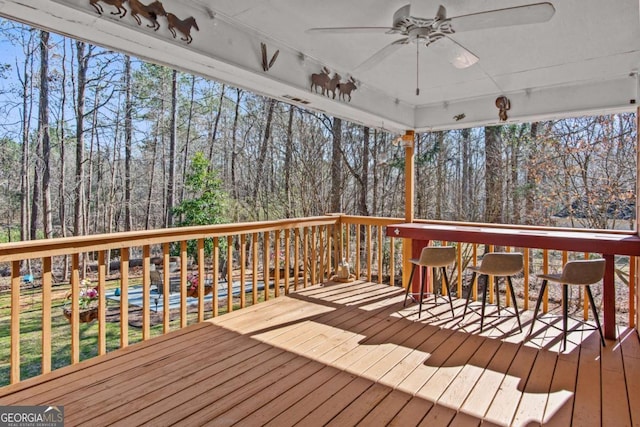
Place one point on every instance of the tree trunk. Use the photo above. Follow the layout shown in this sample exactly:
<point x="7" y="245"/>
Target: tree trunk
<point x="185" y="158"/>
<point x="493" y="174"/>
<point x="83" y="64"/>
<point x="128" y="134"/>
<point x="288" y="154"/>
<point x="364" y="181"/>
<point x="62" y="194"/>
<point x="271" y="103"/>
<point x="172" y="150"/>
<point x="214" y="134"/>
<point x="531" y="182"/>
<point x="234" y="146"/>
<point x="466" y="173"/>
<point x="43" y="134"/>
<point x="440" y="165"/>
<point x="336" y="166"/>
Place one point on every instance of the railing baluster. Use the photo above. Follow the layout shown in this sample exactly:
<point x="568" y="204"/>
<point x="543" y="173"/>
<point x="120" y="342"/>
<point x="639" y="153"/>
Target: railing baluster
<point x="201" y="280"/>
<point x="545" y="270"/>
<point x="229" y="274"/>
<point x="392" y="256"/>
<point x="243" y="272"/>
<point x="585" y="297"/>
<point x="490" y="280"/>
<point x="632" y="291"/>
<point x="314" y="259"/>
<point x="46" y="314"/>
<point x="526" y="279"/>
<point x="380" y="254"/>
<point x="276" y="263"/>
<point x="102" y="306"/>
<point x="474" y="289"/>
<point x="75" y="308"/>
<point x="357" y="269"/>
<point x="15" y="322"/>
<point x="183" y="283"/>
<point x="216" y="275"/>
<point x="287" y="243"/>
<point x="369" y="253"/>
<point x="265" y="264"/>
<point x="306" y="263"/>
<point x="459" y="262"/>
<point x="124" y="297"/>
<point x="347" y="242"/>
<point x="296" y="258"/>
<point x="146" y="293"/>
<point x="166" y="287"/>
<point x="254" y="268"/>
<point x="321" y="247"/>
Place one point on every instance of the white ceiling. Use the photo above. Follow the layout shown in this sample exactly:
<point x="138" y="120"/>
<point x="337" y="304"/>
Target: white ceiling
<point x="578" y="62"/>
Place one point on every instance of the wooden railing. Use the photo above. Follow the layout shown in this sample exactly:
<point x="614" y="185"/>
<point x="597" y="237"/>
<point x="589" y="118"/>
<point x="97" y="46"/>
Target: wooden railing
<point x="245" y="263"/>
<point x="263" y="260"/>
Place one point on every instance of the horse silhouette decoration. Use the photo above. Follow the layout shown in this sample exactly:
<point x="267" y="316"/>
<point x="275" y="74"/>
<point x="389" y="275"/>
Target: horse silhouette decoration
<point x="183" y="26"/>
<point x="151" y="12"/>
<point x="117" y="3"/>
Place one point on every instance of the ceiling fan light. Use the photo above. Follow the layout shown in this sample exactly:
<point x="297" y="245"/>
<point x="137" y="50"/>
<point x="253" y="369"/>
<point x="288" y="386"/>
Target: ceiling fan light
<point x="463" y="59"/>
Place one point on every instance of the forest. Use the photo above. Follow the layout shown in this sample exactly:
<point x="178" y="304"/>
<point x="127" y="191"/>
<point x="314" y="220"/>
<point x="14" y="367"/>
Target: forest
<point x="95" y="141"/>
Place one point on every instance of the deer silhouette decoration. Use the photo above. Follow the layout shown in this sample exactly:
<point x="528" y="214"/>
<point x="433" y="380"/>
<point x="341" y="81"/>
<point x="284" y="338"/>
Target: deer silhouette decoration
<point x="151" y="12"/>
<point x="117" y="3"/>
<point x="345" y="89"/>
<point x="320" y="80"/>
<point x="332" y="84"/>
<point x="183" y="26"/>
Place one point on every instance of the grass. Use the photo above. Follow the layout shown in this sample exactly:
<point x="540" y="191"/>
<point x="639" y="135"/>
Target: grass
<point x="31" y="331"/>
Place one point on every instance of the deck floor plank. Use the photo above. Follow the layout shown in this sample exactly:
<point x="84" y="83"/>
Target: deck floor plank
<point x="587" y="409"/>
<point x="351" y="354"/>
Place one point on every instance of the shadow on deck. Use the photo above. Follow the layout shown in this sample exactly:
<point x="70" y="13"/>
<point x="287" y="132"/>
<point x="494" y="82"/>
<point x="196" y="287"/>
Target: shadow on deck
<point x="347" y="354"/>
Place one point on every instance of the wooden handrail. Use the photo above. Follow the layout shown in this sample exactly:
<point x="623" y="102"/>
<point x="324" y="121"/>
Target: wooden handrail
<point x="310" y="252"/>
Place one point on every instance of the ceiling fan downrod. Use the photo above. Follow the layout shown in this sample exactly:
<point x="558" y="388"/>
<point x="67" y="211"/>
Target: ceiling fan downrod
<point x="417" y="69"/>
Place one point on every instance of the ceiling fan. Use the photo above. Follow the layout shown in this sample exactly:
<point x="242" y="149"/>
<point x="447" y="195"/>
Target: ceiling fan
<point x="425" y="32"/>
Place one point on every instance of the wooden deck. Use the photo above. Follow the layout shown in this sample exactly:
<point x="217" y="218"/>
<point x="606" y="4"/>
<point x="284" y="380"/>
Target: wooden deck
<point x="347" y="354"/>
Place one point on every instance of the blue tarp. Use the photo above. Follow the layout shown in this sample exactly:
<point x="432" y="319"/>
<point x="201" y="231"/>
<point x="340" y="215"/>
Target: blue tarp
<point x="157" y="300"/>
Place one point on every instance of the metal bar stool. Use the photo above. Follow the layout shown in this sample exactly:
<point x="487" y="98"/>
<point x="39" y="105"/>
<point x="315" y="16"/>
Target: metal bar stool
<point x="497" y="264"/>
<point x="574" y="273"/>
<point x="435" y="257"/>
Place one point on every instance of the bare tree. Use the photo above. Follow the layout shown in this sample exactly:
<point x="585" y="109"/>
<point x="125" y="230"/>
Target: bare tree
<point x="493" y="174"/>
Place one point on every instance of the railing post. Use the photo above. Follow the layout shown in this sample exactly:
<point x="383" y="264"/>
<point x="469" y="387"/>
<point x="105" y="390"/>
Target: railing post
<point x="15" y="322"/>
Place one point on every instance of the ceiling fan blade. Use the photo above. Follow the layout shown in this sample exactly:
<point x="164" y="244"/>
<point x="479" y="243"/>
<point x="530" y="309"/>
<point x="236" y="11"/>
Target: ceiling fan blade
<point x="459" y="56"/>
<point x="350" y="30"/>
<point x="401" y="14"/>
<point x="519" y="15"/>
<point x="380" y="55"/>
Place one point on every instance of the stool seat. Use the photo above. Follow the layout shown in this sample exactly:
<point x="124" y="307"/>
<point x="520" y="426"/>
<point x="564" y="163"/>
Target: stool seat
<point x="574" y="273"/>
<point x="496" y="264"/>
<point x="434" y="257"/>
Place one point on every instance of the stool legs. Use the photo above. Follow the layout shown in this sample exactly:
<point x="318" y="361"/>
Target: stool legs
<point x="565" y="315"/>
<point x="471" y="285"/>
<point x="565" y="312"/>
<point x="538" y="302"/>
<point x="515" y="302"/>
<point x="406" y="295"/>
<point x="484" y="299"/>
<point x="446" y="282"/>
<point x="422" y="286"/>
<point x="595" y="315"/>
